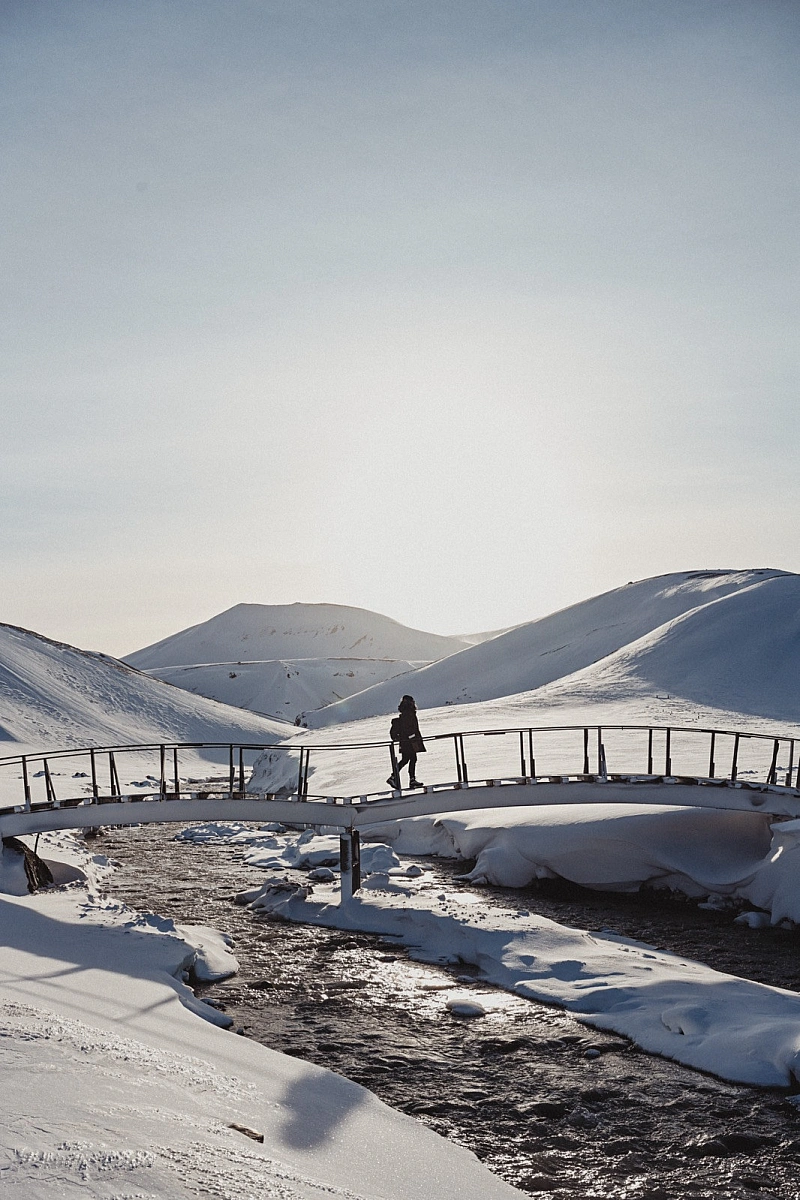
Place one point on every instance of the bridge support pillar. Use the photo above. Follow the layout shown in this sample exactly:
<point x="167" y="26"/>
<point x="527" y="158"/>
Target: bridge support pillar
<point x="350" y="863"/>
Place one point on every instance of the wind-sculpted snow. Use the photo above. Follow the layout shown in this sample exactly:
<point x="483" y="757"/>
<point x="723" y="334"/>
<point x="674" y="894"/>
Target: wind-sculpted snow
<point x="608" y="847"/>
<point x="535" y="654"/>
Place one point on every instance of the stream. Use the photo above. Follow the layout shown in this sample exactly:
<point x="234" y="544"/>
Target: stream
<point x="548" y="1104"/>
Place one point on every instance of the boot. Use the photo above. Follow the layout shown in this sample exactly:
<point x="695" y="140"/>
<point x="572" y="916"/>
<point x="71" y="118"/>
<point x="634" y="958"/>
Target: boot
<point x="394" y="783"/>
<point x="415" y="783"/>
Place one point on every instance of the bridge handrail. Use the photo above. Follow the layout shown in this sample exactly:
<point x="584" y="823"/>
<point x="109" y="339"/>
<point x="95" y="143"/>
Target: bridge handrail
<point x="301" y="744"/>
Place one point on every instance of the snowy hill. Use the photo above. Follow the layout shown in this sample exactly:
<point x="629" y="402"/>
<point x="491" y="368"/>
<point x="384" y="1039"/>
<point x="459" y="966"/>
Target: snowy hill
<point x="267" y="632"/>
<point x="284" y="687"/>
<point x="740" y="653"/>
<point x="535" y="654"/>
<point x="56" y="696"/>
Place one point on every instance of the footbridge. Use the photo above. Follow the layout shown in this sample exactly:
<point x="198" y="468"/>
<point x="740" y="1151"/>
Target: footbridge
<point x="211" y="781"/>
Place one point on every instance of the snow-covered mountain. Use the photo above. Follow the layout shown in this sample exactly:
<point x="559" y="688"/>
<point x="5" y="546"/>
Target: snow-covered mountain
<point x="533" y="655"/>
<point x="268" y="632"/>
<point x="284" y="687"/>
<point x="55" y="696"/>
<point x="740" y="652"/>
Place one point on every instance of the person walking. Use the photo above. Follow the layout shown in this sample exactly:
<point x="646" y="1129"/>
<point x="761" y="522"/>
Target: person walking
<point x="405" y="730"/>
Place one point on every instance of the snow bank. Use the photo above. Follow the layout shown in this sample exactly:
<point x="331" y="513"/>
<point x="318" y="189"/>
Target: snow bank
<point x="113" y="1088"/>
<point x="738" y="1030"/>
<point x="611" y="847"/>
<point x="274" y="850"/>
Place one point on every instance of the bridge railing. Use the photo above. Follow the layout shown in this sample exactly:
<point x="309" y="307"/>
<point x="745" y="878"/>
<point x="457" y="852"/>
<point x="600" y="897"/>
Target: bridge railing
<point x="180" y="770"/>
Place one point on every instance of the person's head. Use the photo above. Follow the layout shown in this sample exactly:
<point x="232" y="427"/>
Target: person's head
<point x="406" y="703"/>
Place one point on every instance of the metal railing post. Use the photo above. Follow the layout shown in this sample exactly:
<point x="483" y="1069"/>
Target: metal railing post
<point x="458" y="758"/>
<point x="162" y="778"/>
<point x="734" y="761"/>
<point x="463" y="759"/>
<point x="600" y="751"/>
<point x="113" y="777"/>
<point x="649" y="752"/>
<point x="522" y="754"/>
<point x="26" y="783"/>
<point x="51" y="792"/>
<point x="231" y="770"/>
<point x="175" y="776"/>
<point x="773" y="766"/>
<point x="586" y="751"/>
<point x="668" y="754"/>
<point x="530" y="754"/>
<point x="305" y="777"/>
<point x="300" y="772"/>
<point x="241" y="771"/>
<point x="712" y="766"/>
<point x="788" y="782"/>
<point x="93" y="761"/>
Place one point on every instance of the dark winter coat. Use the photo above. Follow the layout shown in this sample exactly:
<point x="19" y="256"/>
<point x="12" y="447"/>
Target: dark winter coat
<point x="408" y="729"/>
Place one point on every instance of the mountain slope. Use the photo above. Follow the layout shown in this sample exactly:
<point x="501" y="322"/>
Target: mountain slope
<point x="262" y="632"/>
<point x="284" y="687"/>
<point x="56" y="696"/>
<point x="740" y="652"/>
<point x="538" y="652"/>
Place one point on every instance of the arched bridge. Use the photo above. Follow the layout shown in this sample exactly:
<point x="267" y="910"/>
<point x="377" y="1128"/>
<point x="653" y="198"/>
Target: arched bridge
<point x="705" y="768"/>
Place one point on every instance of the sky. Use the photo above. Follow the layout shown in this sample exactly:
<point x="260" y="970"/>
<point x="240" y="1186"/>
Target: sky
<point x="460" y="312"/>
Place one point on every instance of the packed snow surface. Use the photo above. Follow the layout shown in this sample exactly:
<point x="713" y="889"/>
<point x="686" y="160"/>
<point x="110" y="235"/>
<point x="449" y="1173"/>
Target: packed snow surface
<point x="54" y="696"/>
<point x="537" y="653"/>
<point x="284" y="687"/>
<point x="115" y="1088"/>
<point x="262" y="632"/>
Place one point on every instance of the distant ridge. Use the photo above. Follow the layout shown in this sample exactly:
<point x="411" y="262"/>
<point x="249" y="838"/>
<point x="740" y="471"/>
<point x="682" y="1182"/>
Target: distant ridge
<point x="267" y="632"/>
<point x="537" y="653"/>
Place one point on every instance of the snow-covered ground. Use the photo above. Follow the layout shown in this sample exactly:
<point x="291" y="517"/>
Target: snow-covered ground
<point x="284" y="687"/>
<point x="114" y="1087"/>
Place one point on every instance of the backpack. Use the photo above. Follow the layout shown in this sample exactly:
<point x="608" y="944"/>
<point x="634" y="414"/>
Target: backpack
<point x="394" y="730"/>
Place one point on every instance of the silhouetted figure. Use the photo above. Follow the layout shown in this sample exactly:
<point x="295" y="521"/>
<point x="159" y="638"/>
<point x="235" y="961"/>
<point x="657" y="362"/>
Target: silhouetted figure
<point x="405" y="730"/>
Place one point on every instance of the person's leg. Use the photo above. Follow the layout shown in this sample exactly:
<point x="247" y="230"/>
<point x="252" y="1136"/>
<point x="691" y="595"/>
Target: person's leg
<point x="412" y="767"/>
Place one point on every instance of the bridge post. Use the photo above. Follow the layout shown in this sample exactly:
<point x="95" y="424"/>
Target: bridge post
<point x="788" y="782"/>
<point x="586" y="751"/>
<point x="350" y="863"/>
<point x="95" y="788"/>
<point x="26" y="784"/>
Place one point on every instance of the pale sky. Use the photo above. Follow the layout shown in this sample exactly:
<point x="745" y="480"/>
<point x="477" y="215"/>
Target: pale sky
<point x="458" y="311"/>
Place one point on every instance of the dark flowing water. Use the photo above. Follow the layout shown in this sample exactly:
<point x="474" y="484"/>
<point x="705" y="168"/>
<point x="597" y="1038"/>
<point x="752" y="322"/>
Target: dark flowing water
<point x="522" y="1087"/>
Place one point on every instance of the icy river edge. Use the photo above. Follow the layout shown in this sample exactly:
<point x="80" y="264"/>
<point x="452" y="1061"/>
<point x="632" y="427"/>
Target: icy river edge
<point x="547" y="1104"/>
